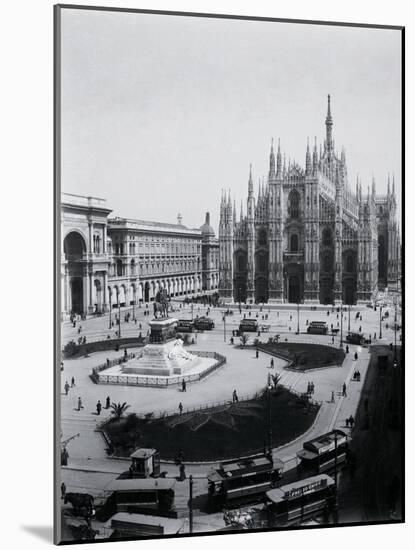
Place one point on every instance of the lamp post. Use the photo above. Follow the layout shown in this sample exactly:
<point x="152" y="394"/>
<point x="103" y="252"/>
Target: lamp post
<point x="119" y="313"/>
<point x="380" y="323"/>
<point x="298" y="317"/>
<point x="190" y="504"/>
<point x="269" y="387"/>
<point x="224" y="327"/>
<point x="395" y="330"/>
<point x="134" y="297"/>
<point x="341" y="324"/>
<point x="110" y="320"/>
<point x="348" y="325"/>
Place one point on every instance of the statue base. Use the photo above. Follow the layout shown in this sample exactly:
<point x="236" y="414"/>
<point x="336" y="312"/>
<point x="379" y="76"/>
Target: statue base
<point x="162" y="330"/>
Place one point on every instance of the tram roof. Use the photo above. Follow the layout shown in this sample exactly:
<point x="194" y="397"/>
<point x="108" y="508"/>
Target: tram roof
<point x="140" y="484"/>
<point x="170" y="525"/>
<point x="297" y="488"/>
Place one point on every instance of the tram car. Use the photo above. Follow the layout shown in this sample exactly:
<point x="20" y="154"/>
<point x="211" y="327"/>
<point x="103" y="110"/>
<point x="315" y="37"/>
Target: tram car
<point x="140" y="496"/>
<point x="243" y="480"/>
<point x="185" y="325"/>
<point x="300" y="500"/>
<point x="320" y="454"/>
<point x="317" y="327"/>
<point x="248" y="325"/>
<point x="204" y="323"/>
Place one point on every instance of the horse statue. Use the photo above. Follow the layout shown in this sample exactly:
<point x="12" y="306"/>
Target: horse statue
<point x="161" y="304"/>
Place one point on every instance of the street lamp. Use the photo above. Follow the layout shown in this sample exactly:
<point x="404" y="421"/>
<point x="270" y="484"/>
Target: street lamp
<point x="119" y="313"/>
<point x="224" y="327"/>
<point x="348" y="325"/>
<point x="298" y="317"/>
<point x="110" y="323"/>
<point x="134" y="297"/>
<point x="269" y="387"/>
<point x="380" y="323"/>
<point x="341" y="324"/>
<point x="190" y="504"/>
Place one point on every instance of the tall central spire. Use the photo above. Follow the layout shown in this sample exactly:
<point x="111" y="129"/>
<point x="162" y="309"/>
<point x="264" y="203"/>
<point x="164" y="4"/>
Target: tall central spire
<point x="329" y="126"/>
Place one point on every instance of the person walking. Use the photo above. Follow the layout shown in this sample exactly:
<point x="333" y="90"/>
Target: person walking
<point x="72" y="382"/>
<point x="256" y="353"/>
<point x="332" y="397"/>
<point x="234" y="397"/>
<point x="183" y="385"/>
<point x="63" y="490"/>
<point x="108" y="402"/>
<point x="355" y="356"/>
<point x="99" y="407"/>
<point x="180" y="408"/>
<point x="312" y="388"/>
<point x="344" y="394"/>
<point x="272" y="362"/>
<point x="66" y="388"/>
<point x="80" y="406"/>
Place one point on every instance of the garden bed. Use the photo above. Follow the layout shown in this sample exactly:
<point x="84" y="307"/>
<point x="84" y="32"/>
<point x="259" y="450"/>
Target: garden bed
<point x="304" y="356"/>
<point x="226" y="431"/>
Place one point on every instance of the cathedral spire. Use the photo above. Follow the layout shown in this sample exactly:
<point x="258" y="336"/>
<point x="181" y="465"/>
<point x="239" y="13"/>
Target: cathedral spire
<point x="308" y="159"/>
<point x="393" y="184"/>
<point x="234" y="212"/>
<point x="373" y="186"/>
<point x="279" y="167"/>
<point x="242" y="211"/>
<point x="389" y="184"/>
<point x="329" y="127"/>
<point x="250" y="183"/>
<point x="315" y="156"/>
<point x="272" y="161"/>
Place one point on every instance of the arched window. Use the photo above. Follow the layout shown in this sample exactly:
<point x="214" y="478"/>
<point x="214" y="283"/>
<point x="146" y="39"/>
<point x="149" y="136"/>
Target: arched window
<point x="241" y="262"/>
<point x="294" y="243"/>
<point x="262" y="237"/>
<point x="294" y="204"/>
<point x="132" y="267"/>
<point x="326" y="237"/>
<point x="349" y="263"/>
<point x="119" y="268"/>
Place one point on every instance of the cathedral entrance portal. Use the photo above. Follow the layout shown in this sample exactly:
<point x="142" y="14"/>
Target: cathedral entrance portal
<point x="294" y="289"/>
<point x="261" y="291"/>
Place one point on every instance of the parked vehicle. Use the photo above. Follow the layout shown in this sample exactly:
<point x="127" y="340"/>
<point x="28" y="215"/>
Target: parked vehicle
<point x="204" y="323"/>
<point x="185" y="325"/>
<point x="248" y="325"/>
<point x="317" y="327"/>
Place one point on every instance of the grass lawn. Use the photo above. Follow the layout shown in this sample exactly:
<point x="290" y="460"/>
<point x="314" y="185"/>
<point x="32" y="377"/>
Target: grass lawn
<point x="235" y="429"/>
<point x="305" y="356"/>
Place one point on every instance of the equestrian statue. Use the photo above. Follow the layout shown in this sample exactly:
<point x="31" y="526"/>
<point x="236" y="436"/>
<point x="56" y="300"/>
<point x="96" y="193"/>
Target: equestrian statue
<point x="161" y="304"/>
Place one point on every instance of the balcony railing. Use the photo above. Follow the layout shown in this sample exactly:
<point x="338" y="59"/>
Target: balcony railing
<point x="294" y="256"/>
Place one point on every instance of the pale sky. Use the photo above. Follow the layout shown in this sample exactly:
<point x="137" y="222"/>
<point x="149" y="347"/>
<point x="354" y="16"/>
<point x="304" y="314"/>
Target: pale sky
<point x="159" y="113"/>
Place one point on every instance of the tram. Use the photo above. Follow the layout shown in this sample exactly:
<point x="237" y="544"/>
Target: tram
<point x="320" y="454"/>
<point x="297" y="501"/>
<point x="317" y="327"/>
<point x="143" y="496"/>
<point x="248" y="325"/>
<point x="243" y="480"/>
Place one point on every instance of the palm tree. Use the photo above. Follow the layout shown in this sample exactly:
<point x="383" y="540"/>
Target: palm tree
<point x="276" y="378"/>
<point x="118" y="410"/>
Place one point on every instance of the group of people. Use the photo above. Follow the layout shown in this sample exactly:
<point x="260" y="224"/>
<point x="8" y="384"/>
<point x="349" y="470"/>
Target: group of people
<point x="98" y="405"/>
<point x="67" y="387"/>
<point x="356" y="375"/>
<point x="310" y="388"/>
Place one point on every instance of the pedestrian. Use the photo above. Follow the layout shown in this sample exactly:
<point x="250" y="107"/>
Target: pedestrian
<point x="182" y="472"/>
<point x="234" y="396"/>
<point x="355" y="356"/>
<point x="351" y="421"/>
<point x="107" y="402"/>
<point x="256" y="353"/>
<point x="347" y="349"/>
<point x="312" y="388"/>
<point x="66" y="388"/>
<point x="360" y="328"/>
<point x="63" y="490"/>
<point x="291" y="317"/>
<point x="332" y="396"/>
<point x="180" y="408"/>
<point x="99" y="407"/>
<point x="183" y="385"/>
<point x="80" y="406"/>
<point x="347" y="422"/>
<point x="344" y="394"/>
<point x="332" y="339"/>
<point x="358" y="375"/>
<point x="72" y="382"/>
<point x="272" y="362"/>
<point x="308" y="387"/>
<point x="61" y="365"/>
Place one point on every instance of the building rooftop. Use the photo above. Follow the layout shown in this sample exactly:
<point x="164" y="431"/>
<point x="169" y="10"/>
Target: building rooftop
<point x="145" y="225"/>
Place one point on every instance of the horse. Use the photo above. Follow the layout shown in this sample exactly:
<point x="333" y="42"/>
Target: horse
<point x="81" y="501"/>
<point x="160" y="307"/>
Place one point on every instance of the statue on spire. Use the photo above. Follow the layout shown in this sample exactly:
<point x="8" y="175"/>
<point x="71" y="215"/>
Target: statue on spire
<point x="329" y="127"/>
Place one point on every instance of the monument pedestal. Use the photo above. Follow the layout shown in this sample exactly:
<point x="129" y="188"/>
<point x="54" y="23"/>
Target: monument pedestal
<point x="162" y="330"/>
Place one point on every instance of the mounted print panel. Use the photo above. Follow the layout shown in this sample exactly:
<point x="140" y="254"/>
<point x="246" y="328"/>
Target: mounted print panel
<point x="228" y="274"/>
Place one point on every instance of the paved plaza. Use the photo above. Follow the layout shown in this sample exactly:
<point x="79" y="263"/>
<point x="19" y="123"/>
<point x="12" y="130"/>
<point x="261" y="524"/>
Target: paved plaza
<point x="90" y="468"/>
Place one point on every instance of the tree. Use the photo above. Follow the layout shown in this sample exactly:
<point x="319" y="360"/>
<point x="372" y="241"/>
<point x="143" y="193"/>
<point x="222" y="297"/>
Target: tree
<point x="118" y="410"/>
<point x="244" y="339"/>
<point x="275" y="379"/>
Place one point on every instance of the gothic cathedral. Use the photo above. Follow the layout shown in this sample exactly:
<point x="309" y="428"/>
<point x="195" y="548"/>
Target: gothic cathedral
<point x="306" y="237"/>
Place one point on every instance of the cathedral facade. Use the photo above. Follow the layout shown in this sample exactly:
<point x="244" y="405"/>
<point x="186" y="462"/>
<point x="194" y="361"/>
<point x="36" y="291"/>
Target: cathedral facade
<point x="307" y="237"/>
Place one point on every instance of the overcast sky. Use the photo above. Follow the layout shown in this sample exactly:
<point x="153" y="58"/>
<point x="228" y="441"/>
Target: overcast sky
<point x="159" y="113"/>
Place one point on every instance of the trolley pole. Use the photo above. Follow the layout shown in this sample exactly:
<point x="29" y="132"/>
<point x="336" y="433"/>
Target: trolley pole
<point x="341" y="324"/>
<point x="190" y="504"/>
<point x="380" y="323"/>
